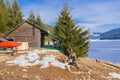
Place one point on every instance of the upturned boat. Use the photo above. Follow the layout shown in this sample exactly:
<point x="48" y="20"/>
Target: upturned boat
<point x="9" y="44"/>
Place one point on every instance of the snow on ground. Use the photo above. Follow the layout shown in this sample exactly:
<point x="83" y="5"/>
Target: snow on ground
<point x="2" y="59"/>
<point x="114" y="75"/>
<point x="33" y="58"/>
<point x="51" y="59"/>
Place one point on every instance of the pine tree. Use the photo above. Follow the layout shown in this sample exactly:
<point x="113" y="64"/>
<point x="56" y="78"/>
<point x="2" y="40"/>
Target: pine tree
<point x="31" y="18"/>
<point x="2" y="22"/>
<point x="3" y="25"/>
<point x="10" y="15"/>
<point x="38" y="21"/>
<point x="72" y="39"/>
<point x="17" y="13"/>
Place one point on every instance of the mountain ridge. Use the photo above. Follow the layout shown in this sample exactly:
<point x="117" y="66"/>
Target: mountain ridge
<point x="112" y="34"/>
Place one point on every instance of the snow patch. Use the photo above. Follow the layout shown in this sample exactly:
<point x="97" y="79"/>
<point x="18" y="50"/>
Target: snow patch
<point x="33" y="58"/>
<point x="114" y="75"/>
<point x="51" y="60"/>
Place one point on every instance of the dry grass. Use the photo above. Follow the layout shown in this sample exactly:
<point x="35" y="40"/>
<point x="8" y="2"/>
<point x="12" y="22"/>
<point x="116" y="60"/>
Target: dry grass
<point x="89" y="70"/>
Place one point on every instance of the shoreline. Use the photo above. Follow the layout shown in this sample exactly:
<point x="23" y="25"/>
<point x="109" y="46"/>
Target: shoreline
<point x="105" y="40"/>
<point x="105" y="62"/>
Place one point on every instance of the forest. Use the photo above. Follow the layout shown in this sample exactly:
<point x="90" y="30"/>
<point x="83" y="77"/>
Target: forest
<point x="11" y="15"/>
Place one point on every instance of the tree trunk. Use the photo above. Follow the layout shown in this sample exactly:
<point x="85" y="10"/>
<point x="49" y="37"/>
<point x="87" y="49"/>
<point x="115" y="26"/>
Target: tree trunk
<point x="72" y="59"/>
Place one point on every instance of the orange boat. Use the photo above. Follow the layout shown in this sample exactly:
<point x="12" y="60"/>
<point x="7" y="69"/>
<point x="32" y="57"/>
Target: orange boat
<point x="9" y="44"/>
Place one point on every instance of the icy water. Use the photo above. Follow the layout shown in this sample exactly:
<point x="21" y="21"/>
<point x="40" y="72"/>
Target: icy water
<point x="106" y="50"/>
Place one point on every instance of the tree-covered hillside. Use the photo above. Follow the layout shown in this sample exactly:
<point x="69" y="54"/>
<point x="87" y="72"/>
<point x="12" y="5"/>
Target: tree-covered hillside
<point x="49" y="28"/>
<point x="112" y="34"/>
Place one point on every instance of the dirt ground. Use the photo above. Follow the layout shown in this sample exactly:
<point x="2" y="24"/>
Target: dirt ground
<point x="89" y="70"/>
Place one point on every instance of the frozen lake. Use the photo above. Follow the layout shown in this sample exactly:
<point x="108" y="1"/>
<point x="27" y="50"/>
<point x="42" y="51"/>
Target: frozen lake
<point x="106" y="50"/>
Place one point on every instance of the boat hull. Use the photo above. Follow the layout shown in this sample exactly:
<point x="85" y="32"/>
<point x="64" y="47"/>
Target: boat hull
<point x="9" y="44"/>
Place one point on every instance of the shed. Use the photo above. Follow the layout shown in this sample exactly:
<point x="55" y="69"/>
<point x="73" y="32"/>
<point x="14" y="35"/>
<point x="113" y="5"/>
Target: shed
<point x="28" y="32"/>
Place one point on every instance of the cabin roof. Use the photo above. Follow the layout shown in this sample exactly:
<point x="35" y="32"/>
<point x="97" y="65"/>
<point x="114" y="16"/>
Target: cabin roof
<point x="29" y="23"/>
<point x="40" y="28"/>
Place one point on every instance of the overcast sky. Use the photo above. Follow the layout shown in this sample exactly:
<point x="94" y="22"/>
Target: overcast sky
<point x="98" y="15"/>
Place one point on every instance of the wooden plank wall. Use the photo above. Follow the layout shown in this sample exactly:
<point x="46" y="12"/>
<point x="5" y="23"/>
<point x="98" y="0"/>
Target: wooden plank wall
<point x="25" y="33"/>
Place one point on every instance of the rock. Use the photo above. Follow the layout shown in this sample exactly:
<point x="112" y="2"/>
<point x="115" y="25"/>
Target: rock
<point x="4" y="69"/>
<point x="37" y="77"/>
<point x="12" y="72"/>
<point x="8" y="72"/>
<point x="24" y="70"/>
<point x="25" y="76"/>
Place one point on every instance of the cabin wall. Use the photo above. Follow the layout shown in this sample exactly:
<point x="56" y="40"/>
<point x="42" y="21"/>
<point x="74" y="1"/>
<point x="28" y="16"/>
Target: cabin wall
<point x="1" y="35"/>
<point x="27" y="33"/>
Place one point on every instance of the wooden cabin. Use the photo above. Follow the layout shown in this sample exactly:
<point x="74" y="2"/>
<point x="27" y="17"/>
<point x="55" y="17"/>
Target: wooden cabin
<point x="28" y="32"/>
<point x="1" y="35"/>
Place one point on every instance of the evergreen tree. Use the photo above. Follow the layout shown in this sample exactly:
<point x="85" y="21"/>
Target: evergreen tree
<point x="70" y="38"/>
<point x="2" y="22"/>
<point x="17" y="13"/>
<point x="38" y="21"/>
<point x="31" y="18"/>
<point x="10" y="15"/>
<point x="3" y="26"/>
